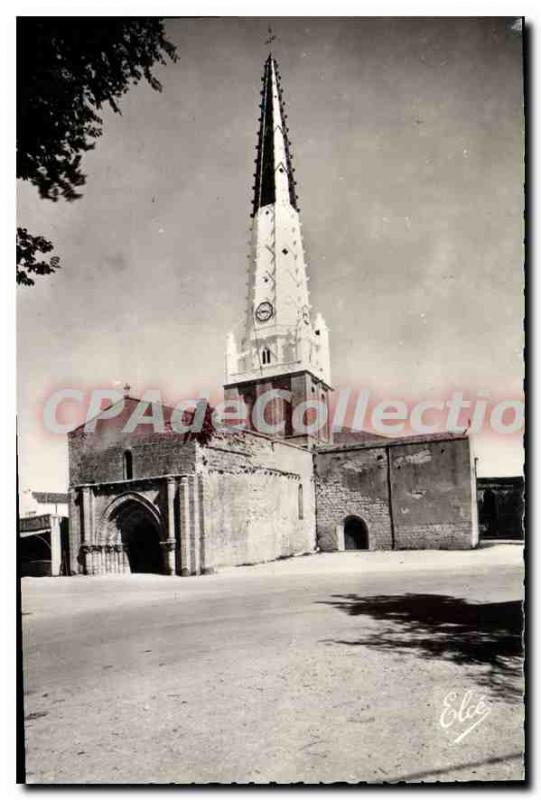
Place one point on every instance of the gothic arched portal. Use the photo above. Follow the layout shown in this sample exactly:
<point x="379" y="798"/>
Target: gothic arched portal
<point x="355" y="534"/>
<point x="141" y="538"/>
<point x="133" y="523"/>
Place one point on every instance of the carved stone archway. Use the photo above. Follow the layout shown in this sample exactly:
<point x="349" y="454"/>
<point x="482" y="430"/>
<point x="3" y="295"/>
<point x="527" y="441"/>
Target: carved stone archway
<point x="131" y="536"/>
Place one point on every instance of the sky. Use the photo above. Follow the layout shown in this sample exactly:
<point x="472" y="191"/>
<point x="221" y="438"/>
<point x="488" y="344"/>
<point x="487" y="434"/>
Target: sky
<point x="407" y="137"/>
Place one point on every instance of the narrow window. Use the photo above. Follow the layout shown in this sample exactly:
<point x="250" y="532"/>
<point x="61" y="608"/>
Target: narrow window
<point x="128" y="465"/>
<point x="300" y="499"/>
<point x="248" y="396"/>
<point x="265" y="356"/>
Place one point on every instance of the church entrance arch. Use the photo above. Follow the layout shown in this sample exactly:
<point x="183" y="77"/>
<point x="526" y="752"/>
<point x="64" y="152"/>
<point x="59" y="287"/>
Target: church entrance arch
<point x="355" y="534"/>
<point x="135" y="525"/>
<point x="141" y="539"/>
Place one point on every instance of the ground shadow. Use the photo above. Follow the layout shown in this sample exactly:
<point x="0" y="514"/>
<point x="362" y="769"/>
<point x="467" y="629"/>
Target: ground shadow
<point x="448" y="628"/>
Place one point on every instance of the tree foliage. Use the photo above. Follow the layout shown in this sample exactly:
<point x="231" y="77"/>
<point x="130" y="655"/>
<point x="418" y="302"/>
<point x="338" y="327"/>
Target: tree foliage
<point x="29" y="262"/>
<point x="205" y="431"/>
<point x="68" y="69"/>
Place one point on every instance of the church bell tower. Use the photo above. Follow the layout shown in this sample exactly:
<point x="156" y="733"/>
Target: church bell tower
<point x="282" y="344"/>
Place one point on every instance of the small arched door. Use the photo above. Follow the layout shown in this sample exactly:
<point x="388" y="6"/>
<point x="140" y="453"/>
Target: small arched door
<point x="355" y="534"/>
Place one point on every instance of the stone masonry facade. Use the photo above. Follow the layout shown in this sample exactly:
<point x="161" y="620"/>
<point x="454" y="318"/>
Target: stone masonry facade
<point x="243" y="498"/>
<point x="240" y="498"/>
<point x="416" y="493"/>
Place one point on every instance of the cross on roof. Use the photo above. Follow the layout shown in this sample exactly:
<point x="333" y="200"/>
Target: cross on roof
<point x="271" y="38"/>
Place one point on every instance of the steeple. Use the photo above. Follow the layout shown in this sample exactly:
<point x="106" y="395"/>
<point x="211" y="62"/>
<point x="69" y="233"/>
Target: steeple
<point x="282" y="344"/>
<point x="273" y="150"/>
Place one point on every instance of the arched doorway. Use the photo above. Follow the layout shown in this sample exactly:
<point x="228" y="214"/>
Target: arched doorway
<point x="140" y="536"/>
<point x="355" y="534"/>
<point x="133" y="524"/>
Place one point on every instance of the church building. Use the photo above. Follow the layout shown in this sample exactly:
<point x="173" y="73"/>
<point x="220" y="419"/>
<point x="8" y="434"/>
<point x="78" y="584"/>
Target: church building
<point x="173" y="503"/>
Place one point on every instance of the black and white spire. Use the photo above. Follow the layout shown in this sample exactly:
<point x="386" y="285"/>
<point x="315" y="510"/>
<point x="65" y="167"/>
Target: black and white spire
<point x="274" y="169"/>
<point x="280" y="333"/>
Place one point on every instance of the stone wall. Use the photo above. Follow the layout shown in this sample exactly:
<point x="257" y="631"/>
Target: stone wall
<point x="245" y="498"/>
<point x="412" y="494"/>
<point x="95" y="459"/>
<point x="241" y="498"/>
<point x="433" y="495"/>
<point x="258" y="497"/>
<point x="75" y="532"/>
<point x="98" y="459"/>
<point x="352" y="481"/>
<point x="303" y="387"/>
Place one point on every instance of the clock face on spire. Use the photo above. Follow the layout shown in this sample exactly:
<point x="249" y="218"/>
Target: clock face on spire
<point x="264" y="311"/>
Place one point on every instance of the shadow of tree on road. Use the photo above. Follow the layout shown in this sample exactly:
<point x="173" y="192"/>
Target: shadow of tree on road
<point x="443" y="627"/>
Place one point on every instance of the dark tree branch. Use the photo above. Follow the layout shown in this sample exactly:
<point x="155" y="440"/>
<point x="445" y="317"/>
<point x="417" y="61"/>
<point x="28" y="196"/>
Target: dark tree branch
<point x="28" y="262"/>
<point x="67" y="69"/>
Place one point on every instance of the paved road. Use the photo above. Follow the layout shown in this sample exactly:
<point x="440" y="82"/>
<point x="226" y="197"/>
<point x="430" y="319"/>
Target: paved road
<point x="320" y="669"/>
